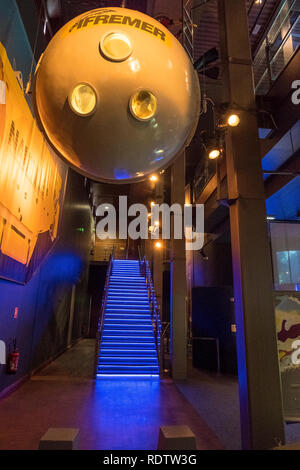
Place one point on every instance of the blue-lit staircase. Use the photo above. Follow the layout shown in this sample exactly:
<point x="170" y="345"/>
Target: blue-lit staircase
<point x="127" y="344"/>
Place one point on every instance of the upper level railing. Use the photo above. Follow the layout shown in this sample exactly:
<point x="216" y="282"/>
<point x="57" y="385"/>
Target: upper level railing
<point x="187" y="28"/>
<point x="280" y="43"/>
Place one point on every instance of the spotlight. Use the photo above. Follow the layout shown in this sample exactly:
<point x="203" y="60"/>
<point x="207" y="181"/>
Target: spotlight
<point x="153" y="178"/>
<point x="233" y="120"/>
<point x="156" y="223"/>
<point x="214" y="153"/>
<point x="158" y="245"/>
<point x="152" y="203"/>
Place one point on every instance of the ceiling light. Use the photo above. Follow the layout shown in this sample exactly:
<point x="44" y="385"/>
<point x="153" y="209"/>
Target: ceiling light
<point x="233" y="120"/>
<point x="153" y="178"/>
<point x="214" y="153"/>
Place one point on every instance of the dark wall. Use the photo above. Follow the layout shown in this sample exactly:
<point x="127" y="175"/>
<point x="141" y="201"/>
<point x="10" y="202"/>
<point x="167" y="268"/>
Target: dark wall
<point x="166" y="296"/>
<point x="14" y="38"/>
<point x="32" y="18"/>
<point x="213" y="315"/>
<point x="42" y="322"/>
<point x="216" y="270"/>
<point x="97" y="277"/>
<point x="212" y="306"/>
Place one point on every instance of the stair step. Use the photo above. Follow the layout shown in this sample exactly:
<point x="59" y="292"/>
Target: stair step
<point x="128" y="309"/>
<point x="128" y="312"/>
<point x="128" y="338"/>
<point x="130" y="331"/>
<point x="117" y="344"/>
<point x="127" y="288"/>
<point x="128" y="295"/>
<point x="123" y="319"/>
<point x="129" y="279"/>
<point x="128" y="302"/>
<point x="125" y="307"/>
<point x="122" y="269"/>
<point x="132" y="318"/>
<point x="117" y="277"/>
<point x="123" y="291"/>
<point x="131" y="300"/>
<point x="128" y="352"/>
<point x="126" y="282"/>
<point x="133" y="368"/>
<point x="128" y="360"/>
<point x="124" y="325"/>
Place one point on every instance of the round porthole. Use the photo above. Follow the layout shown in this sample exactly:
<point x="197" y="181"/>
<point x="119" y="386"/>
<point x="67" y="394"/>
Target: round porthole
<point x="143" y="105"/>
<point x="83" y="99"/>
<point x="116" y="47"/>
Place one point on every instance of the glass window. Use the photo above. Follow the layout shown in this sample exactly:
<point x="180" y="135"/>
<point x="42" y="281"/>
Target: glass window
<point x="285" y="243"/>
<point x="116" y="46"/>
<point x="143" y="105"/>
<point x="83" y="99"/>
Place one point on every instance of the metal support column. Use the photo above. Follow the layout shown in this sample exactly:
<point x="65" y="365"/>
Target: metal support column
<point x="158" y="253"/>
<point x="258" y="369"/>
<point x="178" y="280"/>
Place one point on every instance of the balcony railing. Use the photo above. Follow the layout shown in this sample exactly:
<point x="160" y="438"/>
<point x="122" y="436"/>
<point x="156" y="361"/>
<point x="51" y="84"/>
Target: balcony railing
<point x="278" y="47"/>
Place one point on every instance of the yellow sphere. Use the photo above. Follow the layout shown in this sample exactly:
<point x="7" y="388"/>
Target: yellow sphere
<point x="116" y="95"/>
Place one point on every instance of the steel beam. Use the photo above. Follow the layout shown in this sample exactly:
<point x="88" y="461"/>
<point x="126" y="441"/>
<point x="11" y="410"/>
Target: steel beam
<point x="178" y="280"/>
<point x="258" y="369"/>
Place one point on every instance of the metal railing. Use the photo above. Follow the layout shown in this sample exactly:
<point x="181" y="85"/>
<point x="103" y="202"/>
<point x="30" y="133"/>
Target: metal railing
<point x="102" y="312"/>
<point x="188" y="28"/>
<point x="279" y="44"/>
<point x="155" y="311"/>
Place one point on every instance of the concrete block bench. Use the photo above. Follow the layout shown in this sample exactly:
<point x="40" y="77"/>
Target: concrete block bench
<point x="176" y="438"/>
<point x="60" y="439"/>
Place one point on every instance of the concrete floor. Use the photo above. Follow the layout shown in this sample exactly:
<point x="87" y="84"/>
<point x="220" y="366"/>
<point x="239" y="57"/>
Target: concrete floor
<point x="121" y="414"/>
<point x="216" y="399"/>
<point x="111" y="414"/>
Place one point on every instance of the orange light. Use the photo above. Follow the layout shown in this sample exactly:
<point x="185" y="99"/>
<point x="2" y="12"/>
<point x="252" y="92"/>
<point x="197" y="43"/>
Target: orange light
<point x="158" y="245"/>
<point x="213" y="154"/>
<point x="233" y="120"/>
<point x="153" y="178"/>
<point x="156" y="223"/>
<point x="152" y="203"/>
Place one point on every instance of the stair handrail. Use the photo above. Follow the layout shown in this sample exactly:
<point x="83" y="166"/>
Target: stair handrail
<point x="155" y="311"/>
<point x="102" y="310"/>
